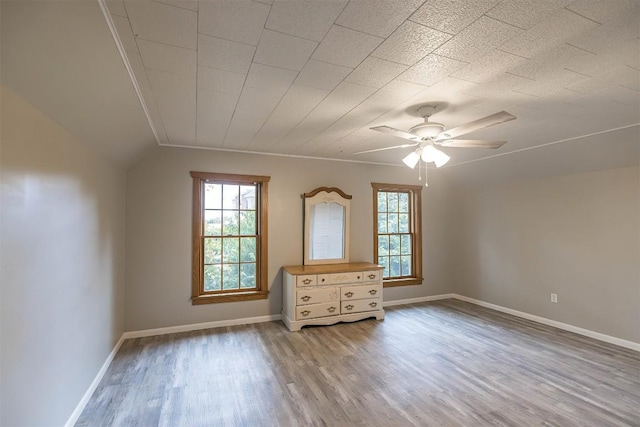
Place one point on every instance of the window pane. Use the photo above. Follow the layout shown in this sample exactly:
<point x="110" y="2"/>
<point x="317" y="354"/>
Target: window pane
<point x="213" y="196"/>
<point x="403" y="223"/>
<point x="394" y="266"/>
<point x="247" y="249"/>
<point x="405" y="265"/>
<point x="405" y="244"/>
<point x="382" y="201"/>
<point x="231" y="250"/>
<point x="212" y="278"/>
<point x="248" y="197"/>
<point x="403" y="202"/>
<point x="248" y="275"/>
<point x="248" y="222"/>
<point x="382" y="223"/>
<point x="212" y="223"/>
<point x="230" y="223"/>
<point x="393" y="202"/>
<point x="393" y="223"/>
<point x="394" y="245"/>
<point x="383" y="245"/>
<point x="230" y="196"/>
<point x="213" y="251"/>
<point x="230" y="276"/>
<point x="383" y="261"/>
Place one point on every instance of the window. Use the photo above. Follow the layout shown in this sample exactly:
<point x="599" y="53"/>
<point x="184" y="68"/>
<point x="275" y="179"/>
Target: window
<point x="229" y="237"/>
<point x="398" y="233"/>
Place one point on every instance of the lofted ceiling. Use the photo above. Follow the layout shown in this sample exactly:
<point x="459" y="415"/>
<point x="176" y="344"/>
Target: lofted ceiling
<point x="310" y="77"/>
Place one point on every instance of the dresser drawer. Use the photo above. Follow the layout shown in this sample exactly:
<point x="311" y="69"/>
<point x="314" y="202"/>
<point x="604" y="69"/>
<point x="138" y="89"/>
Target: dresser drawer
<point x="337" y="278"/>
<point x="360" y="305"/>
<point x="360" y="292"/>
<point x="371" y="276"/>
<point x="317" y="310"/>
<point x="308" y="280"/>
<point x="316" y="295"/>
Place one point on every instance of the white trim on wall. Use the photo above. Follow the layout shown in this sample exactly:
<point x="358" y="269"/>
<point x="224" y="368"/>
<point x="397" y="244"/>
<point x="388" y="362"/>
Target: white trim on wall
<point x="273" y="317"/>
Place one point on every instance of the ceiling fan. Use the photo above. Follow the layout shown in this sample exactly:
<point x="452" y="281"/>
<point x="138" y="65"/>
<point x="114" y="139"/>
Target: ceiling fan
<point x="426" y="135"/>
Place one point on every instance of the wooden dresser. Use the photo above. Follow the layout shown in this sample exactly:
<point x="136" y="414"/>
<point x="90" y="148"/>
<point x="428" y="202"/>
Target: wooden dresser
<point x="331" y="293"/>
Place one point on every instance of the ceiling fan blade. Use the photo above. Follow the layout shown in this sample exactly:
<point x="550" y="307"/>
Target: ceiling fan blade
<point x="494" y="119"/>
<point x="397" y="132"/>
<point x="387" y="148"/>
<point x="470" y="143"/>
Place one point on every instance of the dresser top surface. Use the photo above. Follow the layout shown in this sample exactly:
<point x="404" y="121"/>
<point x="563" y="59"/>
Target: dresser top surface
<point x="331" y="268"/>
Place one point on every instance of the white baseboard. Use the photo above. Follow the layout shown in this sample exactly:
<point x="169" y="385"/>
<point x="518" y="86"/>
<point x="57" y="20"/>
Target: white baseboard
<point x="416" y="300"/>
<point x="94" y="384"/>
<point x="199" y="326"/>
<point x="565" y="326"/>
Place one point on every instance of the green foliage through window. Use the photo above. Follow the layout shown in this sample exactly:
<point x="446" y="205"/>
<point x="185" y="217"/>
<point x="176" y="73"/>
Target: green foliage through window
<point x="394" y="233"/>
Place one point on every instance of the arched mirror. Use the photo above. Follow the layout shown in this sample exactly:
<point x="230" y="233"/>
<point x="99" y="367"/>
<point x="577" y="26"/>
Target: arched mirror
<point x="326" y="226"/>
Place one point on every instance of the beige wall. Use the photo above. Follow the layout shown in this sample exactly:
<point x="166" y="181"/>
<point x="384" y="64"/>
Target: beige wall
<point x="159" y="229"/>
<point x="577" y="236"/>
<point x="62" y="266"/>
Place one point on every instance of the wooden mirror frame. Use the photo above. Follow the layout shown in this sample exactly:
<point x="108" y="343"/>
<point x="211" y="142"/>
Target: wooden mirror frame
<point x="326" y="195"/>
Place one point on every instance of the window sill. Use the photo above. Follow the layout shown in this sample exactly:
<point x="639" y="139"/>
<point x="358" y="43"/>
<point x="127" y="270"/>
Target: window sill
<point x="230" y="297"/>
<point x="402" y="282"/>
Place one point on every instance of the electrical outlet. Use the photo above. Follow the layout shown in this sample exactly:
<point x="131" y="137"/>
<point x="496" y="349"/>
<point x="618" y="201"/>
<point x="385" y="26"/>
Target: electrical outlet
<point x="554" y="297"/>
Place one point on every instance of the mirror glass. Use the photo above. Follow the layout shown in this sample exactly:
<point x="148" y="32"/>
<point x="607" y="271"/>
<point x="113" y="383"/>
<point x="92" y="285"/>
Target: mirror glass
<point x="326" y="226"/>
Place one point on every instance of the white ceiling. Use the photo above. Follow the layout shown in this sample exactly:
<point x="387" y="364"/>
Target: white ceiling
<point x="310" y="77"/>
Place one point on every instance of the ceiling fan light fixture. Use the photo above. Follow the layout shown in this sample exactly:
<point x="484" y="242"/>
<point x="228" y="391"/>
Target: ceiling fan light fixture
<point x="429" y="153"/>
<point x="427" y="129"/>
<point x="441" y="158"/>
<point x="412" y="159"/>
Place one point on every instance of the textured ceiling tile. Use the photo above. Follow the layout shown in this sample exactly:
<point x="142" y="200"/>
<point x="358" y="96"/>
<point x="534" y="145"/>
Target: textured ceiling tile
<point x="284" y="51"/>
<point x="620" y="76"/>
<point x="212" y="79"/>
<point x="605" y="38"/>
<point x="451" y="16"/>
<point x="489" y="66"/>
<point x="176" y="98"/>
<point x="270" y="78"/>
<point x="185" y="4"/>
<point x="525" y="13"/>
<point x="602" y="11"/>
<point x="555" y="30"/>
<point x="346" y="47"/>
<point x="218" y="93"/>
<point x="410" y="43"/>
<point x="224" y="54"/>
<point x="294" y="106"/>
<point x="308" y="19"/>
<point x="322" y="75"/>
<point x="375" y="72"/>
<point x="431" y="69"/>
<point x="253" y="109"/>
<point x="548" y="61"/>
<point x="116" y="7"/>
<point x="377" y="17"/>
<point x="163" y="23"/>
<point x="482" y="36"/>
<point x="549" y="82"/>
<point x="125" y="33"/>
<point x="237" y="20"/>
<point x="498" y="86"/>
<point x="171" y="59"/>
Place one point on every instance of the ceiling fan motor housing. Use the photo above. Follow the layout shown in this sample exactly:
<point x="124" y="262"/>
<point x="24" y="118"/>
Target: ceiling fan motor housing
<point x="427" y="130"/>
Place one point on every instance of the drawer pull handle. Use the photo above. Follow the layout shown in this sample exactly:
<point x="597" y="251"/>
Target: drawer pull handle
<point x="372" y="276"/>
<point x="373" y="304"/>
<point x="348" y="294"/>
<point x="305" y="313"/>
<point x="358" y="277"/>
<point x="349" y="307"/>
<point x="323" y="280"/>
<point x="373" y="292"/>
<point x="305" y="298"/>
<point x="306" y="281"/>
<point x="331" y="309"/>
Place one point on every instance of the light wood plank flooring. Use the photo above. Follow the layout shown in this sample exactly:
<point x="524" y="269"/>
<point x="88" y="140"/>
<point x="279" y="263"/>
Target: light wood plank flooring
<point x="446" y="363"/>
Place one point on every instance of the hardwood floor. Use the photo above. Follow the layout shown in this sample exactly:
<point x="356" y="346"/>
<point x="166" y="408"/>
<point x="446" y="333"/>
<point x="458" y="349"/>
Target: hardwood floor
<point x="446" y="363"/>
